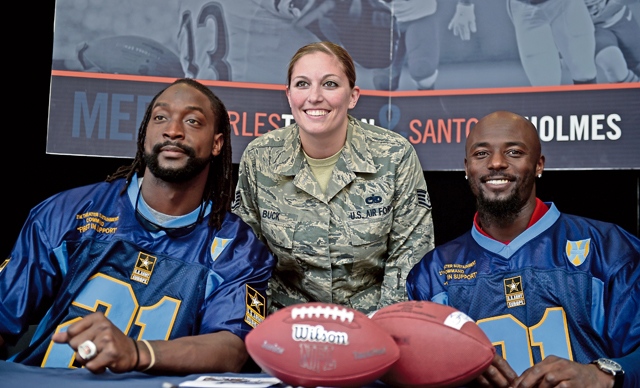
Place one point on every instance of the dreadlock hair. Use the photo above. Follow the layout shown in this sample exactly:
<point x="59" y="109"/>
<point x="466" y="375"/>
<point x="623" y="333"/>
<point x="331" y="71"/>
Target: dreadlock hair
<point x="218" y="188"/>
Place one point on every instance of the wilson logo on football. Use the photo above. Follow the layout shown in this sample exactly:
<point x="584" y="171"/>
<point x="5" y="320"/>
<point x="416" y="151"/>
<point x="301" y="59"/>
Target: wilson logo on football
<point x="319" y="334"/>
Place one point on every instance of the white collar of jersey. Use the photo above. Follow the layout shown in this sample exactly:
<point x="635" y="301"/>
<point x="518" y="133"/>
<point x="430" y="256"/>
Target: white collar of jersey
<point x="186" y="220"/>
<point x="507" y="250"/>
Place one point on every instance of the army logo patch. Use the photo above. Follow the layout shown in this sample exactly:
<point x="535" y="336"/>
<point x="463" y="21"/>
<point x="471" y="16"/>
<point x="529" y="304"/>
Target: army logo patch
<point x="256" y="307"/>
<point x="577" y="251"/>
<point x="513" y="292"/>
<point x="218" y="245"/>
<point x="4" y="264"/>
<point x="143" y="269"/>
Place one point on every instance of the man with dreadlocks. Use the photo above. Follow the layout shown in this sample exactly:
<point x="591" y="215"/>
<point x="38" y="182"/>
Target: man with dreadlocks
<point x="127" y="274"/>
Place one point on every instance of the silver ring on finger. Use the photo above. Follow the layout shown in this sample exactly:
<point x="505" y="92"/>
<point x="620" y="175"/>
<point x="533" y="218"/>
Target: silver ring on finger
<point x="87" y="350"/>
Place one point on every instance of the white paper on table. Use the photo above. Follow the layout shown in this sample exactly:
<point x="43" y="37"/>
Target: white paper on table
<point x="231" y="382"/>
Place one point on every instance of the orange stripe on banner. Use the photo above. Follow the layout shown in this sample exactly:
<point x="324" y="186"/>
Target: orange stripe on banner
<point x="120" y="77"/>
<point x="378" y="93"/>
<point x="526" y="89"/>
<point x="168" y="80"/>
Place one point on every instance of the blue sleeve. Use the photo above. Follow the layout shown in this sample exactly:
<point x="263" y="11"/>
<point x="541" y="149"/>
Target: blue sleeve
<point x="29" y="277"/>
<point x="424" y="281"/>
<point x="625" y="315"/>
<point x="622" y="295"/>
<point x="416" y="282"/>
<point x="631" y="366"/>
<point x="244" y="266"/>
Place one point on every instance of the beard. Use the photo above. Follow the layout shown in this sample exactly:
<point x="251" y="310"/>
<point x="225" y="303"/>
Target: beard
<point x="192" y="168"/>
<point x="502" y="211"/>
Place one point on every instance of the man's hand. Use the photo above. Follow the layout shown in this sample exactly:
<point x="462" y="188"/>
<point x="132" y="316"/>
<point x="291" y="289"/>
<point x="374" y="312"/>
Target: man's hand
<point x="553" y="371"/>
<point x="116" y="351"/>
<point x="499" y="374"/>
<point x="217" y="352"/>
<point x="463" y="22"/>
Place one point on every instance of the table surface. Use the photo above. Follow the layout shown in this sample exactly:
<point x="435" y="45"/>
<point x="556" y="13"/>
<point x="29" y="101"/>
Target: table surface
<point x="23" y="376"/>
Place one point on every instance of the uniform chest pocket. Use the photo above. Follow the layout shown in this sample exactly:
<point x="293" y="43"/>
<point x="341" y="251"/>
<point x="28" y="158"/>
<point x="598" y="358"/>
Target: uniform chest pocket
<point x="369" y="231"/>
<point x="279" y="233"/>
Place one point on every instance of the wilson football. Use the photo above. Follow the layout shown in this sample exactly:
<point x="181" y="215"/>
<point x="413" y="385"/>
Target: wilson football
<point x="439" y="345"/>
<point x="134" y="55"/>
<point x="317" y="344"/>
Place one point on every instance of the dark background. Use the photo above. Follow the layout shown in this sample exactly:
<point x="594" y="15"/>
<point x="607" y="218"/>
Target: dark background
<point x="33" y="175"/>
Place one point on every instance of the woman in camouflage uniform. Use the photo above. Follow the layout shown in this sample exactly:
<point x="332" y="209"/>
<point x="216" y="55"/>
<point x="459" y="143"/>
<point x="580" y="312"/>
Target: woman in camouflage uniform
<point x="342" y="204"/>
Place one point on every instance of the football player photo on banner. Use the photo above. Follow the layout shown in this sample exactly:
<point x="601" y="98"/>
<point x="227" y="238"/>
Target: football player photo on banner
<point x="427" y="70"/>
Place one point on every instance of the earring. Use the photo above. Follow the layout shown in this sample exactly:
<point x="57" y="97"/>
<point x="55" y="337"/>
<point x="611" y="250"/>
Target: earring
<point x="466" y="177"/>
<point x="539" y="175"/>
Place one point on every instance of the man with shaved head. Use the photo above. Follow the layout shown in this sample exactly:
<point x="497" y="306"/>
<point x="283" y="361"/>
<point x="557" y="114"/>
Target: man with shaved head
<point x="558" y="295"/>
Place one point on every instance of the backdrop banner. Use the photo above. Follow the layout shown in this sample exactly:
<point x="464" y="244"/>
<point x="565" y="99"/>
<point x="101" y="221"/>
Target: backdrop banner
<point x="417" y="76"/>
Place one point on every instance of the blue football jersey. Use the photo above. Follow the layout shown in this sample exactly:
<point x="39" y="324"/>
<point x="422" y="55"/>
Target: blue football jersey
<point x="83" y="251"/>
<point x="566" y="286"/>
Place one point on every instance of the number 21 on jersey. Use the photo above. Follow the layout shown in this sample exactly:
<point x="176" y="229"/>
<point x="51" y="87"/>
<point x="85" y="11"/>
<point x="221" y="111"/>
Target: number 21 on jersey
<point x="551" y="334"/>
<point x="121" y="305"/>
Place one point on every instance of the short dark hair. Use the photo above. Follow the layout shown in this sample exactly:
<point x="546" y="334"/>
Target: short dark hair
<point x="218" y="189"/>
<point x="328" y="48"/>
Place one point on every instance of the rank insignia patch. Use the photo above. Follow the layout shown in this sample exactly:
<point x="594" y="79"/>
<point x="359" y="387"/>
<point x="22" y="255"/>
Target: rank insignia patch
<point x="218" y="245"/>
<point x="4" y="264"/>
<point x="143" y="269"/>
<point x="256" y="307"/>
<point x="513" y="292"/>
<point x="577" y="251"/>
<point x="423" y="198"/>
<point x="236" y="202"/>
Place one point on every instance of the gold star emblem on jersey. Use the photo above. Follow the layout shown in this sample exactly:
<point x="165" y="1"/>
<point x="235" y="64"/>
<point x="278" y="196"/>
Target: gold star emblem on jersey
<point x="255" y="302"/>
<point x="256" y="307"/>
<point x="513" y="292"/>
<point x="144" y="268"/>
<point x="513" y="287"/>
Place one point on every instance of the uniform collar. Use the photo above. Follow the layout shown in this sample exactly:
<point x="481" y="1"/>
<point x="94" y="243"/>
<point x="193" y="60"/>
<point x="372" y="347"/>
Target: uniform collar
<point x="507" y="250"/>
<point x="133" y="191"/>
<point x="539" y="211"/>
<point x="356" y="155"/>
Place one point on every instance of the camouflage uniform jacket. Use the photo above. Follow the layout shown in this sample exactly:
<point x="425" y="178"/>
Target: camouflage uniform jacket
<point x="353" y="245"/>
